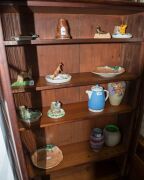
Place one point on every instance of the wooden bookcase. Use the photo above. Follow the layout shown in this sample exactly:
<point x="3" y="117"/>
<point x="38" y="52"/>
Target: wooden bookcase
<point x="80" y="56"/>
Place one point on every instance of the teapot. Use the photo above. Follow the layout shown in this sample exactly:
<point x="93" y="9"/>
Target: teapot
<point x="96" y="102"/>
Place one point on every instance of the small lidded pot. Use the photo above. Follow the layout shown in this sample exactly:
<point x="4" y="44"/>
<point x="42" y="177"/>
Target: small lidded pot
<point x="112" y="135"/>
<point x="62" y="31"/>
<point x="96" y="139"/>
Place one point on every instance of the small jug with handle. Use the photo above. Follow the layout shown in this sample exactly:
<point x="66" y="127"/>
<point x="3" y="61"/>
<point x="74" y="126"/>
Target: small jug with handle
<point x="96" y="102"/>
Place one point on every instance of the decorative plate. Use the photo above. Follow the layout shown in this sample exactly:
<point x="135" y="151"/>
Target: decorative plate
<point x="128" y="35"/>
<point x="60" y="78"/>
<point x="56" y="115"/>
<point x="109" y="71"/>
<point x="47" y="157"/>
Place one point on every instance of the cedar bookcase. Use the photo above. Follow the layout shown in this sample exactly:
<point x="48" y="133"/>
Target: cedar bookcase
<point x="80" y="55"/>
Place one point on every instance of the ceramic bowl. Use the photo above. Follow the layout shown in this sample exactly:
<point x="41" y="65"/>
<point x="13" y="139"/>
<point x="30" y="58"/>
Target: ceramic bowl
<point x="47" y="157"/>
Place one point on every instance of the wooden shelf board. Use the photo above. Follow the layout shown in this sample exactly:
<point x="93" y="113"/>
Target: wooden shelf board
<point x="79" y="154"/>
<point x="96" y="7"/>
<point x="78" y="112"/>
<point x="78" y="79"/>
<point x="71" y="41"/>
<point x="104" y="170"/>
<point x="82" y="79"/>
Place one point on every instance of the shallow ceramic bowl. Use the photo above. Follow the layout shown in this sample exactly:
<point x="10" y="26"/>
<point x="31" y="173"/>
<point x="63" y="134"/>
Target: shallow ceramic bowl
<point x="109" y="71"/>
<point x="47" y="157"/>
<point x="60" y="78"/>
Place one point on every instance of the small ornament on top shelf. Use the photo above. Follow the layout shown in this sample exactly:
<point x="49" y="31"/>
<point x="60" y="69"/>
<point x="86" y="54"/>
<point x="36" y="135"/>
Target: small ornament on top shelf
<point x="24" y="79"/>
<point x="58" y="77"/>
<point x="63" y="30"/>
<point x="25" y="37"/>
<point x="120" y="32"/>
<point x="101" y="34"/>
<point x="55" y="110"/>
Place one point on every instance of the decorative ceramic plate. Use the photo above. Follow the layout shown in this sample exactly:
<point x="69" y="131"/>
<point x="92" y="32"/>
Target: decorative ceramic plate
<point x="60" y="78"/>
<point x="128" y="35"/>
<point x="56" y="115"/>
<point x="47" y="157"/>
<point x="109" y="71"/>
<point x="34" y="116"/>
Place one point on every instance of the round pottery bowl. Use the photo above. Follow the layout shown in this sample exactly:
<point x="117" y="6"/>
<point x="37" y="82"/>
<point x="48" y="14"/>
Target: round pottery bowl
<point x="112" y="135"/>
<point x="47" y="157"/>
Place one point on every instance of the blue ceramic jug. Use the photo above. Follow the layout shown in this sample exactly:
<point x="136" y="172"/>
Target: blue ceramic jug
<point x="97" y="98"/>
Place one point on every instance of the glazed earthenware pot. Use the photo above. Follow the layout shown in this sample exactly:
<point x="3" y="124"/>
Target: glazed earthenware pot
<point x="116" y="92"/>
<point x="112" y="135"/>
<point x="96" y="139"/>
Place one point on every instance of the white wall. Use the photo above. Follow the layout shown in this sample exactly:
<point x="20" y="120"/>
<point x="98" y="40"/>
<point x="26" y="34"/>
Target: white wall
<point x="6" y="172"/>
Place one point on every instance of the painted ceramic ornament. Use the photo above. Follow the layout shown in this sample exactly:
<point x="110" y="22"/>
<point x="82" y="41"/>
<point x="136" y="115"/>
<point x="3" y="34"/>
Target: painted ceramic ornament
<point x="62" y="30"/>
<point x="58" y="77"/>
<point x="120" y="32"/>
<point x="112" y="135"/>
<point x="24" y="79"/>
<point x="96" y="139"/>
<point x="96" y="102"/>
<point x="55" y="110"/>
<point x="29" y="115"/>
<point x="116" y="92"/>
<point x="101" y="34"/>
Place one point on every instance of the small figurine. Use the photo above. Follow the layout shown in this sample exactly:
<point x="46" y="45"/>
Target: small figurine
<point x="101" y="34"/>
<point x="58" y="70"/>
<point x="24" y="79"/>
<point x="120" y="32"/>
<point x="55" y="110"/>
<point x="62" y="31"/>
<point x="58" y="77"/>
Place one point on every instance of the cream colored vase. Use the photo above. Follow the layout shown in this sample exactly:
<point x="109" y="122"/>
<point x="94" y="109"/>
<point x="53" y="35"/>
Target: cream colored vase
<point x="116" y="92"/>
<point x="112" y="135"/>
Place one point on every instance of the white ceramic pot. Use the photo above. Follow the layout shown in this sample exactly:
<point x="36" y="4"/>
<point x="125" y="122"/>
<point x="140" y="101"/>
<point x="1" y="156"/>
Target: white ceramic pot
<point x="116" y="92"/>
<point x="112" y="135"/>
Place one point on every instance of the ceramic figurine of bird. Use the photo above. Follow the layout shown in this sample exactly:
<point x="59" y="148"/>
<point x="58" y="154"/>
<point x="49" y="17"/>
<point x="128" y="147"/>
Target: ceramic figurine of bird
<point x="122" y="29"/>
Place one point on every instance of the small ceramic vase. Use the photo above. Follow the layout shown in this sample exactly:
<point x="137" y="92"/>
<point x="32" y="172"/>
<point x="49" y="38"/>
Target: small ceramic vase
<point x="112" y="135"/>
<point x="116" y="92"/>
<point x="96" y="139"/>
<point x="62" y="31"/>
